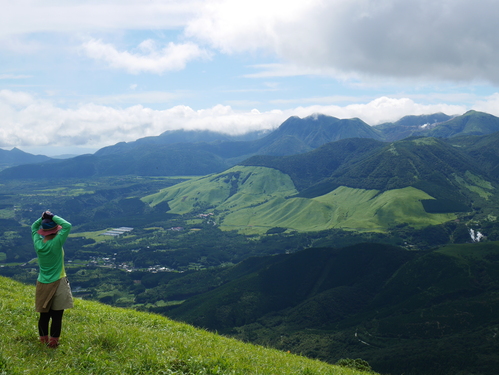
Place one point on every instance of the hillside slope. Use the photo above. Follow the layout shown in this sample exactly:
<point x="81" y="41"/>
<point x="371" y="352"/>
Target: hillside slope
<point x="198" y="152"/>
<point x="483" y="149"/>
<point x="409" y="126"/>
<point x="17" y="157"/>
<point x="354" y="184"/>
<point x="98" y="339"/>
<point x="470" y="123"/>
<point x="202" y="152"/>
<point x="311" y="168"/>
<point x="256" y="199"/>
<point x="440" y="125"/>
<point x="404" y="312"/>
<point x="413" y="162"/>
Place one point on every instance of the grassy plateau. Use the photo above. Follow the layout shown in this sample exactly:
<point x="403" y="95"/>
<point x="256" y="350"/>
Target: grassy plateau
<point x="99" y="339"/>
<point x="255" y="199"/>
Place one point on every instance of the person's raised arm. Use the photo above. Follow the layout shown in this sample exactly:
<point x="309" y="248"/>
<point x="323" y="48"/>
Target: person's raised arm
<point x="66" y="227"/>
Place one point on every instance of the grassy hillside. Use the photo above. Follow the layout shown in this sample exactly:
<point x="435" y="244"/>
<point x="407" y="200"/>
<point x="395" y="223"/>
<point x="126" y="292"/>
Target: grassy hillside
<point x="18" y="157"/>
<point x="405" y="312"/>
<point x="483" y="149"/>
<point x="238" y="186"/>
<point x="410" y="125"/>
<point x="407" y="163"/>
<point x="98" y="339"/>
<point x="471" y="123"/>
<point x="308" y="169"/>
<point x="346" y="279"/>
<point x="317" y="130"/>
<point x="256" y="199"/>
<point x="345" y="208"/>
<point x="352" y="184"/>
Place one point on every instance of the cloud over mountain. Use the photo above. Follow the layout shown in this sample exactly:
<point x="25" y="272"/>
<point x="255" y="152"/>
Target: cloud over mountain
<point x="93" y="73"/>
<point x="30" y="121"/>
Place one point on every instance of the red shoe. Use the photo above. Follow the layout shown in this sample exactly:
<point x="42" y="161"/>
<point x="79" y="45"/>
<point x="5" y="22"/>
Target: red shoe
<point x="44" y="339"/>
<point x="53" y="342"/>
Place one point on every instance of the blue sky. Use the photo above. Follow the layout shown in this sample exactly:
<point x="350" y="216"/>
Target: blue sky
<point x="83" y="74"/>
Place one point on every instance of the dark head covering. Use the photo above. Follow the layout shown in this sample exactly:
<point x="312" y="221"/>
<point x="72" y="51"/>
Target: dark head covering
<point x="48" y="227"/>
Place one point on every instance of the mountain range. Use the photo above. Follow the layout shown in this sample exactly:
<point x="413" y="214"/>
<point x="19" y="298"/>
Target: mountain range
<point x="431" y="311"/>
<point x="354" y="184"/>
<point x="201" y="152"/>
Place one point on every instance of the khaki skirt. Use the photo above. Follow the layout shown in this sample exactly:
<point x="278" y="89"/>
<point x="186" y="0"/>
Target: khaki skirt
<point x="53" y="296"/>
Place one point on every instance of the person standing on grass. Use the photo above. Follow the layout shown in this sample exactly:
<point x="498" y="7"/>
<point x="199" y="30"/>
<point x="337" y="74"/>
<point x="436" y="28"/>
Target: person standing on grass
<point x="53" y="293"/>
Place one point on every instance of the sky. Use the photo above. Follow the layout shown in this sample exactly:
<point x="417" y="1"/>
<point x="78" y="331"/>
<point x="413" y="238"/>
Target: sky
<point x="78" y="75"/>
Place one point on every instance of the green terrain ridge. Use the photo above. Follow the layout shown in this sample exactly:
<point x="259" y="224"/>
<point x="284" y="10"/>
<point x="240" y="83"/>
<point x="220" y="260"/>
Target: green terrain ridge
<point x="256" y="199"/>
<point x="353" y="184"/>
<point x="313" y="167"/>
<point x="99" y="339"/>
<point x="483" y="149"/>
<point x="437" y="310"/>
<point x="470" y="123"/>
<point x="203" y="152"/>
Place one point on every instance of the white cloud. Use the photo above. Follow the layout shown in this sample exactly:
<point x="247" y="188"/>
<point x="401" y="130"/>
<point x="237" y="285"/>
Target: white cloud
<point x="148" y="57"/>
<point x="31" y="16"/>
<point x="137" y="98"/>
<point x="489" y="105"/>
<point x="452" y="40"/>
<point x="448" y="40"/>
<point x="29" y="121"/>
<point x="290" y="70"/>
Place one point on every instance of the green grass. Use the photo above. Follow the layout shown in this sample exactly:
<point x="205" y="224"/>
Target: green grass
<point x="476" y="185"/>
<point x="72" y="191"/>
<point x="255" y="185"/>
<point x="345" y="208"/>
<point x="97" y="235"/>
<point x="253" y="200"/>
<point x="99" y="339"/>
<point x="7" y="214"/>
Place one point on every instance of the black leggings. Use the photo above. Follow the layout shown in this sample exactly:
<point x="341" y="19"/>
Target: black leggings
<point x="55" y="328"/>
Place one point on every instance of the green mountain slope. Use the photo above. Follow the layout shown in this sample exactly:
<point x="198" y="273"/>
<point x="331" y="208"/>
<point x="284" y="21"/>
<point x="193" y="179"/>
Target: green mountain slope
<point x="313" y="167"/>
<point x="440" y="125"/>
<point x="316" y="130"/>
<point x="483" y="149"/>
<point x="290" y="280"/>
<point x="409" y="126"/>
<point x="404" y="312"/>
<point x="256" y="199"/>
<point x="203" y="152"/>
<point x="18" y="157"/>
<point x="355" y="184"/>
<point x="98" y="339"/>
<point x="445" y="172"/>
<point x="200" y="152"/>
<point x="471" y="123"/>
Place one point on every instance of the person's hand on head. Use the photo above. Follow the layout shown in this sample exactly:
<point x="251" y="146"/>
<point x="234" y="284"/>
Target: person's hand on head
<point x="47" y="215"/>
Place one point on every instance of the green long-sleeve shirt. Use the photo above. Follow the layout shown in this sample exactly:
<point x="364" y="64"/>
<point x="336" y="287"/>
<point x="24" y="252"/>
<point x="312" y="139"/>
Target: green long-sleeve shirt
<point x="50" y="253"/>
